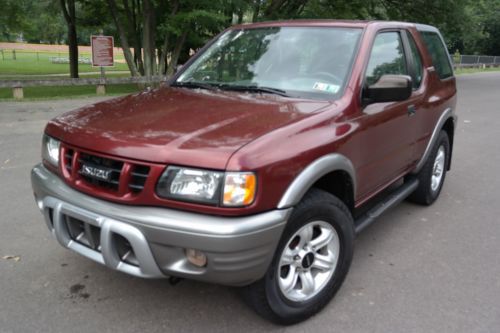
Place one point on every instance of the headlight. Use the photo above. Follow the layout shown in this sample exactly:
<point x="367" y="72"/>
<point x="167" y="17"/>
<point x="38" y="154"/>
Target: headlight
<point x="50" y="150"/>
<point x="190" y="184"/>
<point x="205" y="186"/>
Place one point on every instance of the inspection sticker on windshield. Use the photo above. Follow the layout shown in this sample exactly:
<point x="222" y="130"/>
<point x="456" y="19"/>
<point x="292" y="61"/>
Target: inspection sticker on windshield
<point x="331" y="88"/>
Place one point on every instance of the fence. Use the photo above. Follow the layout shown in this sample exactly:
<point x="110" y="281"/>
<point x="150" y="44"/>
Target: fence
<point x="26" y="62"/>
<point x="476" y="61"/>
<point x="34" y="55"/>
<point x="100" y="83"/>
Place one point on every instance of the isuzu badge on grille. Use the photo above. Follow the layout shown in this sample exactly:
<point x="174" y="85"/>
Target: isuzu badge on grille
<point x="94" y="172"/>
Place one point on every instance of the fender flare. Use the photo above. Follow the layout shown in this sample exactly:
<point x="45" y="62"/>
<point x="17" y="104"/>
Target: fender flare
<point x="312" y="173"/>
<point x="447" y="114"/>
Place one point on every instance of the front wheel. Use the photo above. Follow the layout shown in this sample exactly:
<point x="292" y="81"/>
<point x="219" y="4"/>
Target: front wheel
<point x="433" y="173"/>
<point x="310" y="263"/>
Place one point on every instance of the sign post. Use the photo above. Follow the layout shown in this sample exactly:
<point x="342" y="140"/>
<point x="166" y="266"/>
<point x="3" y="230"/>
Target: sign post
<point x="102" y="56"/>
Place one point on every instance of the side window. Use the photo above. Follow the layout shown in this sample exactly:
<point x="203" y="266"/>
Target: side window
<point x="387" y="57"/>
<point x="438" y="53"/>
<point x="417" y="62"/>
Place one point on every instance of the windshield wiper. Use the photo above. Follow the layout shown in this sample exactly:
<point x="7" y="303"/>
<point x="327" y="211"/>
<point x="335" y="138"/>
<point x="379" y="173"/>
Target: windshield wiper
<point x="260" y="89"/>
<point x="194" y="85"/>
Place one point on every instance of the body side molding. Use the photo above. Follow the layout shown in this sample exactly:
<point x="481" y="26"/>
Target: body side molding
<point x="314" y="171"/>
<point x="442" y="120"/>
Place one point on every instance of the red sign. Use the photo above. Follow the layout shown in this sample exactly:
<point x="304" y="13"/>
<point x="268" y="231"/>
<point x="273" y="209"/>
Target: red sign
<point x="102" y="51"/>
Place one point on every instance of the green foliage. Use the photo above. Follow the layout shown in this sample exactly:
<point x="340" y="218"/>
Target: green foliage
<point x="14" y="18"/>
<point x="48" y="27"/>
<point x="469" y="26"/>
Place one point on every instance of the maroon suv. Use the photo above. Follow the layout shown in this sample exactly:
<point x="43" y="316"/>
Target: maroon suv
<point x="259" y="161"/>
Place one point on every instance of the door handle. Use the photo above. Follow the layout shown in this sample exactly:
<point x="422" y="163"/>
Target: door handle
<point x="411" y="110"/>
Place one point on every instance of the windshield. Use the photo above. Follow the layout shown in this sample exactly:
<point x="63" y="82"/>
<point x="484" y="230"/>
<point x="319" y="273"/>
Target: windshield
<point x="305" y="62"/>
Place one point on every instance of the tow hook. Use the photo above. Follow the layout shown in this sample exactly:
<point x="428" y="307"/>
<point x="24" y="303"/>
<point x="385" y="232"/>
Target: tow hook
<point x="174" y="280"/>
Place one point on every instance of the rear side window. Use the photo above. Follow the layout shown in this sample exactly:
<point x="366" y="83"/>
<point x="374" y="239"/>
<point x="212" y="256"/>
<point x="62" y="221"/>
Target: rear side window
<point x="387" y="57"/>
<point x="438" y="53"/>
<point x="417" y="61"/>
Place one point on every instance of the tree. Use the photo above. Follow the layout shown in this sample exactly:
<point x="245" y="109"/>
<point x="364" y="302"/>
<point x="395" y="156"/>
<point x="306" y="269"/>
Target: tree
<point x="156" y="35"/>
<point x="69" y="13"/>
<point x="123" y="38"/>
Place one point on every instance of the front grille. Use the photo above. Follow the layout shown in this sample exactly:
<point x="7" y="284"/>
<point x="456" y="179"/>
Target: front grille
<point x="114" y="166"/>
<point x="121" y="177"/>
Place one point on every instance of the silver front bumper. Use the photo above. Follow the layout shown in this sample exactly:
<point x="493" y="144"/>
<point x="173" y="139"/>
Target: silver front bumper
<point x="238" y="249"/>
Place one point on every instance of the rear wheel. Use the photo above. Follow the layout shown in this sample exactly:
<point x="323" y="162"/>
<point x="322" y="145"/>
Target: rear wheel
<point x="310" y="263"/>
<point x="432" y="175"/>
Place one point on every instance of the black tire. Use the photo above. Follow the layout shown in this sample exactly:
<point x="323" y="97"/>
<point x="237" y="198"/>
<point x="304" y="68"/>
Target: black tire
<point x="265" y="296"/>
<point x="425" y="194"/>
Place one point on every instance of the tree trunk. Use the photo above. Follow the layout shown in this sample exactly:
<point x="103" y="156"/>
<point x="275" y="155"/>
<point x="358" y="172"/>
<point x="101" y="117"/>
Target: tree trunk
<point x="164" y="48"/>
<point x="163" y="57"/>
<point x="148" y="38"/>
<point x="134" y="29"/>
<point x="73" y="51"/>
<point x="176" y="53"/>
<point x="69" y="14"/>
<point x="123" y="39"/>
<point x="240" y="15"/>
<point x="256" y="10"/>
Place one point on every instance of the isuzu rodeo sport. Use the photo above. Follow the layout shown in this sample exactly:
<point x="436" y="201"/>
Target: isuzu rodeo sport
<point x="259" y="161"/>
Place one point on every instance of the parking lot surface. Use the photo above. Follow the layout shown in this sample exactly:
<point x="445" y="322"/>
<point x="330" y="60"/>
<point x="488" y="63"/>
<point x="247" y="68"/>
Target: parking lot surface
<point x="434" y="269"/>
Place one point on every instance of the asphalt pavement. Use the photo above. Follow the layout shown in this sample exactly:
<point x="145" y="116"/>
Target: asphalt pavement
<point x="434" y="269"/>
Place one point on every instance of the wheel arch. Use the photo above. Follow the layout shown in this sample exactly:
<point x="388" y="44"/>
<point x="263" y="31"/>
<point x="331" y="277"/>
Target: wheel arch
<point x="333" y="173"/>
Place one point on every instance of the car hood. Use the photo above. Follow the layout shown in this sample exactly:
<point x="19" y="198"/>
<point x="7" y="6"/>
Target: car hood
<point x="178" y="125"/>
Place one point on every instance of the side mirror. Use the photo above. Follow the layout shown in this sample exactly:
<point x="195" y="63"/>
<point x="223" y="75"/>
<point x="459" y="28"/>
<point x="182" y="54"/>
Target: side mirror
<point x="389" y="88"/>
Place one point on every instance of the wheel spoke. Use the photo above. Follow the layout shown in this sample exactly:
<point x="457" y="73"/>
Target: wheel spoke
<point x="307" y="281"/>
<point x="305" y="236"/>
<point x="440" y="157"/>
<point x="438" y="169"/>
<point x="324" y="262"/>
<point x="323" y="239"/>
<point x="287" y="257"/>
<point x="289" y="282"/>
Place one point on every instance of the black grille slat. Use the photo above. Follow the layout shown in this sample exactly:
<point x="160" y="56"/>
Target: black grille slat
<point x="138" y="178"/>
<point x="68" y="159"/>
<point x="135" y="174"/>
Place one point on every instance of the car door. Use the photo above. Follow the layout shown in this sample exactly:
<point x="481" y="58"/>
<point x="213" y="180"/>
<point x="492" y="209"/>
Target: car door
<point x="417" y="99"/>
<point x="390" y="134"/>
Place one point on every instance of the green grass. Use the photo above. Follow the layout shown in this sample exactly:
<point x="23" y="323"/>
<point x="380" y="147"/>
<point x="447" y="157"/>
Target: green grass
<point x="460" y="71"/>
<point x="27" y="63"/>
<point x="68" y="91"/>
